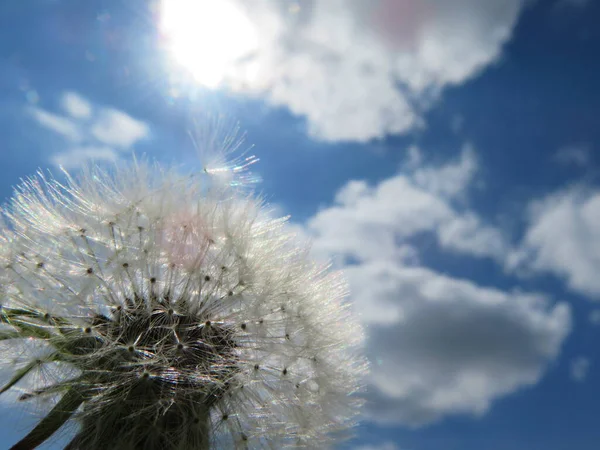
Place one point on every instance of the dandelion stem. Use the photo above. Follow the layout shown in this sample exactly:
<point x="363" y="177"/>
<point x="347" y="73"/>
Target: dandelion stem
<point x="63" y="410"/>
<point x="20" y="374"/>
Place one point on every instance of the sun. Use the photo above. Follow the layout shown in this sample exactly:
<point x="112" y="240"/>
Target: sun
<point x="207" y="36"/>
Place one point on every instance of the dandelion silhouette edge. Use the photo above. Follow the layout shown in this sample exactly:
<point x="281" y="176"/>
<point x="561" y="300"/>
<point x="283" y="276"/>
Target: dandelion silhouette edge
<point x="166" y="311"/>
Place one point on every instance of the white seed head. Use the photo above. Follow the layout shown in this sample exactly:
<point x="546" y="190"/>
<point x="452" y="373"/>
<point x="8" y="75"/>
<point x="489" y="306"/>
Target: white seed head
<point x="186" y="316"/>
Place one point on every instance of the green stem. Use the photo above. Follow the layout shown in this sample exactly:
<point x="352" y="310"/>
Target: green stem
<point x="19" y="374"/>
<point x="55" y="419"/>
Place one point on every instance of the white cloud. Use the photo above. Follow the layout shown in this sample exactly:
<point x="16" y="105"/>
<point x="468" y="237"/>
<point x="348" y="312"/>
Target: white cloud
<point x="392" y="210"/>
<point x="466" y="234"/>
<point x="414" y="158"/>
<point x="594" y="317"/>
<point x="116" y="128"/>
<point x="444" y="346"/>
<point x="401" y="207"/>
<point x="360" y="70"/>
<point x="384" y="446"/>
<point x="78" y="156"/>
<point x="563" y="238"/>
<point x="61" y="125"/>
<point x="578" y="155"/>
<point x="76" y="106"/>
<point x="450" y="180"/>
<point x="91" y="133"/>
<point x="580" y="368"/>
<point x="438" y="345"/>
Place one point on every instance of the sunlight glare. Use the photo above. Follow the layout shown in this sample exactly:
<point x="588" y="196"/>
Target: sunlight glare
<point x="207" y="36"/>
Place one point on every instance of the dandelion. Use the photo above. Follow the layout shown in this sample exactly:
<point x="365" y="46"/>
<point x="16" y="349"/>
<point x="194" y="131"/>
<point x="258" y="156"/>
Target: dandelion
<point x="161" y="312"/>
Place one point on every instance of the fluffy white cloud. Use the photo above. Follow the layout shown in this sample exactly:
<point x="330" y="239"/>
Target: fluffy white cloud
<point x="116" y="128"/>
<point x="90" y="133"/>
<point x="579" y="368"/>
<point x="359" y="70"/>
<point x="563" y="238"/>
<point x="444" y="346"/>
<point x="438" y="345"/>
<point x="465" y="233"/>
<point x="76" y="106"/>
<point x="401" y="207"/>
<point x="450" y="180"/>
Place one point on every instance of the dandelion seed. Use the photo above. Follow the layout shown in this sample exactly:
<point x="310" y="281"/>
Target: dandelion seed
<point x="182" y="317"/>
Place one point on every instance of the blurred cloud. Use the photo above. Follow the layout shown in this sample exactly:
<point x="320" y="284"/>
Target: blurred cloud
<point x="577" y="155"/>
<point x="563" y="238"/>
<point x="114" y="127"/>
<point x="439" y="345"/>
<point x="595" y="317"/>
<point x="58" y="124"/>
<point x="79" y="156"/>
<point x="449" y="180"/>
<point x="580" y="368"/>
<point x="384" y="446"/>
<point x="76" y="106"/>
<point x="90" y="132"/>
<point x="467" y="234"/>
<point x="361" y="70"/>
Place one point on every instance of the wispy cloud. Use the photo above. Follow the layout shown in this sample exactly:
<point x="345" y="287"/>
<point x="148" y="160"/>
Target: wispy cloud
<point x="89" y="132"/>
<point x="578" y="155"/>
<point x="579" y="369"/>
<point x="63" y="126"/>
<point x="79" y="156"/>
<point x="114" y="127"/>
<point x="76" y="106"/>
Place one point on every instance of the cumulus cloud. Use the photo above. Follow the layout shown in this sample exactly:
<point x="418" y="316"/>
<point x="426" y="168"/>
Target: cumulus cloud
<point x="401" y="207"/>
<point x="360" y="70"/>
<point x="467" y="234"/>
<point x="563" y="238"/>
<point x="450" y="180"/>
<point x="445" y="346"/>
<point x="89" y="132"/>
<point x="438" y="345"/>
<point x="579" y="369"/>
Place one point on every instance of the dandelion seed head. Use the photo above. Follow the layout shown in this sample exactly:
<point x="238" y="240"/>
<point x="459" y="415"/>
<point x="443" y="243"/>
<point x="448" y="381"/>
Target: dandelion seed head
<point x="186" y="316"/>
<point x="219" y="144"/>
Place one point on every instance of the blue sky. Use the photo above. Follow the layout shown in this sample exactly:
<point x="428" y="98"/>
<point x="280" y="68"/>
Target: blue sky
<point x="443" y="153"/>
